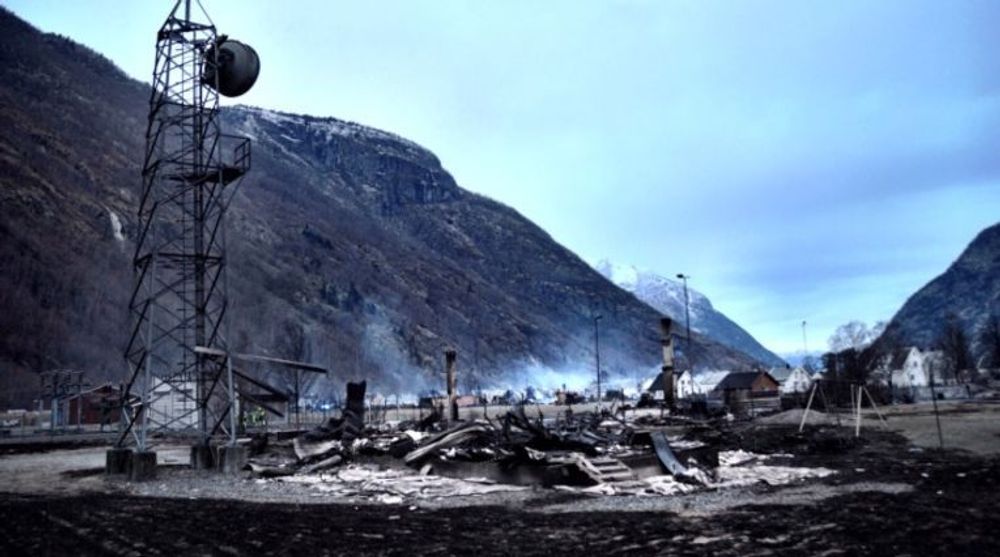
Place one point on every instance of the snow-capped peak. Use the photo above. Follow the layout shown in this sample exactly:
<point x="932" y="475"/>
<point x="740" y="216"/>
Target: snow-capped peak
<point x="625" y="276"/>
<point x="643" y="282"/>
<point x="666" y="295"/>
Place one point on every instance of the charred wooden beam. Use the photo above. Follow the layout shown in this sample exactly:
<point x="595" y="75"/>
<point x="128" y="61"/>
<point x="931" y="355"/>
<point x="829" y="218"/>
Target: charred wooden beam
<point x="449" y="366"/>
<point x="216" y="353"/>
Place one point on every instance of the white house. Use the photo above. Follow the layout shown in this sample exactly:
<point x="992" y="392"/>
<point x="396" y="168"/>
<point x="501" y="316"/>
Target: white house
<point x="684" y="385"/>
<point x="688" y="385"/>
<point x="173" y="404"/>
<point x="682" y="381"/>
<point x="791" y="379"/>
<point x="916" y="368"/>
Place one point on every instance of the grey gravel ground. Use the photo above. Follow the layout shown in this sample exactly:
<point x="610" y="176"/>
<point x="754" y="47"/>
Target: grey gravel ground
<point x="80" y="471"/>
<point x="188" y="484"/>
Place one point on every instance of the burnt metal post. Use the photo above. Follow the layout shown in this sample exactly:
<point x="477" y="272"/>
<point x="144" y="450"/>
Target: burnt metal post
<point x="298" y="397"/>
<point x="449" y="368"/>
<point x="79" y="407"/>
<point x="179" y="302"/>
<point x="667" y="370"/>
<point x="687" y="314"/>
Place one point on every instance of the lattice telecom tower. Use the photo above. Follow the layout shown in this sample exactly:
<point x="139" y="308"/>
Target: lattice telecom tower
<point x="180" y="376"/>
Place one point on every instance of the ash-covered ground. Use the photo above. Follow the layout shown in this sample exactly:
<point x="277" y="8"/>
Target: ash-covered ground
<point x="884" y="495"/>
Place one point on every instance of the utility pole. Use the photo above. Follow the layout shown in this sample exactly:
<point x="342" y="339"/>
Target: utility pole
<point x="597" y="356"/>
<point x="806" y="360"/>
<point x="937" y="418"/>
<point x="687" y="314"/>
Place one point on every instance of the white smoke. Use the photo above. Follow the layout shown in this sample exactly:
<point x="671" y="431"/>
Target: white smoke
<point x="393" y="372"/>
<point x="579" y="377"/>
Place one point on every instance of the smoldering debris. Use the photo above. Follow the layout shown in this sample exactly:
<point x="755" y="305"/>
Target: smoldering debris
<point x="585" y="452"/>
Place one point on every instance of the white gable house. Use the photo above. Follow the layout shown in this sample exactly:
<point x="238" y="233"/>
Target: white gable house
<point x="684" y="385"/>
<point x="916" y="369"/>
<point x="792" y="380"/>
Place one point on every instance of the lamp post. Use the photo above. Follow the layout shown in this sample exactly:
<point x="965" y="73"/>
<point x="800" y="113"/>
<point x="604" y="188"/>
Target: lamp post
<point x="687" y="312"/>
<point x="806" y="362"/>
<point x="597" y="356"/>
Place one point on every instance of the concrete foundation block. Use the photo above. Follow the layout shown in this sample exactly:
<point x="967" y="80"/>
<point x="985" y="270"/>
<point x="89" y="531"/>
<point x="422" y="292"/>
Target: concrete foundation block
<point x="202" y="457"/>
<point x="142" y="466"/>
<point x="231" y="460"/>
<point x="116" y="461"/>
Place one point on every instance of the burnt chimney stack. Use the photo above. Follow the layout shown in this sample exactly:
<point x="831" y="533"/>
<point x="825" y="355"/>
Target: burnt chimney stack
<point x="667" y="375"/>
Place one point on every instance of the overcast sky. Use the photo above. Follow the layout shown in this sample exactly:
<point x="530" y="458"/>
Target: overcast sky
<point x="813" y="161"/>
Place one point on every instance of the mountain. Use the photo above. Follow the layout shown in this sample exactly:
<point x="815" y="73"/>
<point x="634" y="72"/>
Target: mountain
<point x="667" y="296"/>
<point x="969" y="290"/>
<point x="348" y="246"/>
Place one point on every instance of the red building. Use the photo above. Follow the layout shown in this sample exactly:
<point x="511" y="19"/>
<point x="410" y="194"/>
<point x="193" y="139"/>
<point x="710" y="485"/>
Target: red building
<point x="99" y="406"/>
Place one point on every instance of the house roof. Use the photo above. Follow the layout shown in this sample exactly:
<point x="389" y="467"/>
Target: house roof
<point x="707" y="380"/>
<point x="741" y="380"/>
<point x="781" y="374"/>
<point x="899" y="357"/>
<point x="657" y="383"/>
<point x="106" y="385"/>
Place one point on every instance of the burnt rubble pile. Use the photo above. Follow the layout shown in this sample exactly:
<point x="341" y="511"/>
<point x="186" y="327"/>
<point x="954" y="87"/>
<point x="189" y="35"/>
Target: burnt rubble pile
<point x="576" y="449"/>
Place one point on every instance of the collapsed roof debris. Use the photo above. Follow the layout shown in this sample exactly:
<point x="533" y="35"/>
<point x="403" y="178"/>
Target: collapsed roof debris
<point x="584" y="452"/>
<point x="391" y="486"/>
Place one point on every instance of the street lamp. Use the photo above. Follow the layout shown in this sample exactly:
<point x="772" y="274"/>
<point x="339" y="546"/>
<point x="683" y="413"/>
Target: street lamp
<point x="597" y="356"/>
<point x="687" y="310"/>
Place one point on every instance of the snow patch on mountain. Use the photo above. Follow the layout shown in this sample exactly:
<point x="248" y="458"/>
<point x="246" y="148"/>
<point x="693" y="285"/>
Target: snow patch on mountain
<point x="332" y="127"/>
<point x="662" y="293"/>
<point x="666" y="295"/>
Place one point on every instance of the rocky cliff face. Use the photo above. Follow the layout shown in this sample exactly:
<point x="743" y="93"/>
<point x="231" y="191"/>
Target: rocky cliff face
<point x="667" y="296"/>
<point x="348" y="246"/>
<point x="968" y="289"/>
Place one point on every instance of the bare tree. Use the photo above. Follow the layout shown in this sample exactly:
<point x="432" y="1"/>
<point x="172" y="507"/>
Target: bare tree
<point x="811" y="364"/>
<point x="886" y="346"/>
<point x="989" y="339"/>
<point x="954" y="344"/>
<point x="848" y="366"/>
<point x="295" y="341"/>
<point x="853" y="335"/>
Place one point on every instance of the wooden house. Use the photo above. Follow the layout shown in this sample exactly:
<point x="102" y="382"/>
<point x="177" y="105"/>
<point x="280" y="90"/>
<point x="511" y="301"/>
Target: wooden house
<point x="749" y="392"/>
